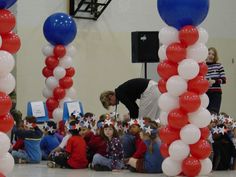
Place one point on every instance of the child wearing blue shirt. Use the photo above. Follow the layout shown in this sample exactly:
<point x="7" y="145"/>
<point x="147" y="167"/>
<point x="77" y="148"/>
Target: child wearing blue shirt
<point x="49" y="141"/>
<point x="31" y="134"/>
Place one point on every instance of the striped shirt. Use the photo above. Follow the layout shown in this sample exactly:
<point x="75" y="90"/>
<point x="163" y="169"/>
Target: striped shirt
<point x="216" y="72"/>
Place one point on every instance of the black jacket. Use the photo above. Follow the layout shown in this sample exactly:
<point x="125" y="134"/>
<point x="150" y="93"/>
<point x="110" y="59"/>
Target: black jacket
<point x="128" y="92"/>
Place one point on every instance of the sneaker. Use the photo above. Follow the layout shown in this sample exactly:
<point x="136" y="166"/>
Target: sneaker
<point x="51" y="164"/>
<point x="90" y="166"/>
<point x="98" y="167"/>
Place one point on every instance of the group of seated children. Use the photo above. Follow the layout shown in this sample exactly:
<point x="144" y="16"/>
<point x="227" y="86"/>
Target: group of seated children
<point x="103" y="145"/>
<point x="223" y="140"/>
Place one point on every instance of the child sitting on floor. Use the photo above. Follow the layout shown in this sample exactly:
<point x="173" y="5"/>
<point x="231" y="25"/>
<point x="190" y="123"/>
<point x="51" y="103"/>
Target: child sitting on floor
<point x="32" y="136"/>
<point x="149" y="158"/>
<point x="115" y="153"/>
<point x="49" y="141"/>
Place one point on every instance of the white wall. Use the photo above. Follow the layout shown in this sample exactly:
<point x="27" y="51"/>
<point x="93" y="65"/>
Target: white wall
<point x="103" y="60"/>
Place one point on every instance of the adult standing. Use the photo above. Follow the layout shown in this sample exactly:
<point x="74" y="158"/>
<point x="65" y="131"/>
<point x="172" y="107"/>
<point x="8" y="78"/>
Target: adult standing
<point x="216" y="77"/>
<point x="127" y="93"/>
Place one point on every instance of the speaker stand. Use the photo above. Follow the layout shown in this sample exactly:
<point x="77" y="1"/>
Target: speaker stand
<point x="145" y="70"/>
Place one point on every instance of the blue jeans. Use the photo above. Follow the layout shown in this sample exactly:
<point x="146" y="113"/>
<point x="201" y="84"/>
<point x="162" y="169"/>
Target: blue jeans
<point x="20" y="154"/>
<point x="98" y="159"/>
<point x="128" y="142"/>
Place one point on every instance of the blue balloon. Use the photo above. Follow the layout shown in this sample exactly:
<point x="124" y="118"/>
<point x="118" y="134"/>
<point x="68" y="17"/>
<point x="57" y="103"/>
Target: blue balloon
<point x="59" y="28"/>
<point x="5" y="4"/>
<point x="179" y="13"/>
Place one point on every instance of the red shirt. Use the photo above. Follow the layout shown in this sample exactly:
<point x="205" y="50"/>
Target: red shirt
<point x="76" y="147"/>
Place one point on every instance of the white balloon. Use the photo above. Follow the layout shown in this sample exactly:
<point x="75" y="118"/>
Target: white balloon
<point x="47" y="93"/>
<point x="4" y="143"/>
<point x="47" y="50"/>
<point x="167" y="102"/>
<point x="70" y="50"/>
<point x="59" y="72"/>
<point x="7" y="83"/>
<point x="190" y="134"/>
<point x="65" y="99"/>
<point x="206" y="167"/>
<point x="66" y="62"/>
<point x="188" y="69"/>
<point x="201" y="118"/>
<point x="163" y="117"/>
<point x="178" y="150"/>
<point x="7" y="63"/>
<point x="57" y="114"/>
<point x="162" y="52"/>
<point x="6" y="163"/>
<point x="203" y="35"/>
<point x="168" y="35"/>
<point x="171" y="167"/>
<point x="204" y="100"/>
<point x="198" y="52"/>
<point x="176" y="85"/>
<point x="71" y="93"/>
<point x="51" y="82"/>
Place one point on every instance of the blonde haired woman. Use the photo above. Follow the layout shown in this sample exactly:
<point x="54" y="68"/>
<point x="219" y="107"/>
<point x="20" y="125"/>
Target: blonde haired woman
<point x="216" y="77"/>
<point x="127" y="93"/>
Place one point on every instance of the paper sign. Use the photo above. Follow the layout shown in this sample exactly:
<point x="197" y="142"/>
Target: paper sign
<point x="38" y="109"/>
<point x="73" y="106"/>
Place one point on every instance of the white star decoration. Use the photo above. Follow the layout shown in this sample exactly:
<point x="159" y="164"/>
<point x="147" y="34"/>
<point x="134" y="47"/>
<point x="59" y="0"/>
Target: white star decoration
<point x="77" y="126"/>
<point x="108" y="122"/>
<point x="148" y="130"/>
<point x="158" y="121"/>
<point x="131" y="122"/>
<point x="213" y="117"/>
<point x="86" y="124"/>
<point x="222" y="130"/>
<point x="234" y="125"/>
<point x="51" y="129"/>
<point x="215" y="130"/>
<point x="93" y="118"/>
<point x="126" y="129"/>
<point x="76" y="113"/>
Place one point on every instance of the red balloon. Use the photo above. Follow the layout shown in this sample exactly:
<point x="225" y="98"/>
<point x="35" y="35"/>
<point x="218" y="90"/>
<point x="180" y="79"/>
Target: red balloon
<point x="51" y="62"/>
<point x="201" y="149"/>
<point x="188" y="35"/>
<point x="66" y="82"/>
<point x="5" y="103"/>
<point x="47" y="72"/>
<point x="70" y="72"/>
<point x="164" y="149"/>
<point x="198" y="85"/>
<point x="189" y="101"/>
<point x="59" y="51"/>
<point x="191" y="166"/>
<point x="7" y="21"/>
<point x="162" y="85"/>
<point x="1" y="175"/>
<point x="10" y="42"/>
<point x="50" y="114"/>
<point x="51" y="104"/>
<point x="166" y="69"/>
<point x="205" y="132"/>
<point x="6" y="123"/>
<point x="203" y="69"/>
<point x="177" y="118"/>
<point x="59" y="93"/>
<point x="168" y="134"/>
<point x="176" y="52"/>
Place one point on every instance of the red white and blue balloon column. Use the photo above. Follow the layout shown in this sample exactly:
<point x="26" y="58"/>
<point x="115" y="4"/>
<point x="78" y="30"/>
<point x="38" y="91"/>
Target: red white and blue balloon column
<point x="183" y="100"/>
<point x="9" y="44"/>
<point x="60" y="30"/>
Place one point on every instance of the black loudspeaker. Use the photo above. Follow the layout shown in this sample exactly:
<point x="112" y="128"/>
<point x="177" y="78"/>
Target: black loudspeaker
<point x="145" y="45"/>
